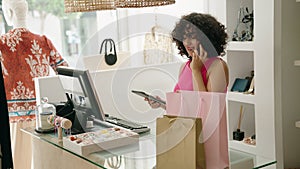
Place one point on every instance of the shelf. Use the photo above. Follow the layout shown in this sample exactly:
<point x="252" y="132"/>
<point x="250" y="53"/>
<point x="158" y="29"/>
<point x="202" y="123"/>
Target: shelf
<point x="240" y="46"/>
<point x="239" y="145"/>
<point x="232" y="14"/>
<point x="243" y="57"/>
<point x="297" y="124"/>
<point x="241" y="97"/>
<point x="241" y="63"/>
<point x="297" y="62"/>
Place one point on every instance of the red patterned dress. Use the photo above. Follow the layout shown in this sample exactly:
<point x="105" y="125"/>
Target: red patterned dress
<point x="24" y="56"/>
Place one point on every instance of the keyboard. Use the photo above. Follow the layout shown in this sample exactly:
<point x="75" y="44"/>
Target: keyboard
<point x="135" y="127"/>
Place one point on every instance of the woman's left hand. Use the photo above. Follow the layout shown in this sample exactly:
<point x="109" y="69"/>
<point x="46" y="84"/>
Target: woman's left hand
<point x="198" y="59"/>
<point x="154" y="104"/>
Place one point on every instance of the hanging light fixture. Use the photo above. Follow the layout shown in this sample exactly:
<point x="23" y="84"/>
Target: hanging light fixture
<point x="94" y="5"/>
<point x="142" y="3"/>
<point x="88" y="5"/>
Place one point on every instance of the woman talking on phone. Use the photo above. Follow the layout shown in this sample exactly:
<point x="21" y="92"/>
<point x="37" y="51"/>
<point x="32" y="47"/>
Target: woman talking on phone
<point x="202" y="39"/>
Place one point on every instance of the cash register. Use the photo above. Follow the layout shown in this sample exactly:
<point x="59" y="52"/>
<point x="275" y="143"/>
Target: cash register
<point x="83" y="105"/>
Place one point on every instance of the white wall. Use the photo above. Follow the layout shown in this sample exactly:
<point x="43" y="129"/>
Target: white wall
<point x="127" y="41"/>
<point x="165" y="16"/>
<point x="114" y="90"/>
<point x="133" y="24"/>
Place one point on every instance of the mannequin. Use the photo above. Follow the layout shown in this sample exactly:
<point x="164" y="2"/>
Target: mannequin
<point x="24" y="56"/>
<point x="15" y="12"/>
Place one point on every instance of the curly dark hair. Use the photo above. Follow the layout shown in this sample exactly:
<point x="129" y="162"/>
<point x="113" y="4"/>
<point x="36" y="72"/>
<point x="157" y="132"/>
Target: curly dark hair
<point x="207" y="30"/>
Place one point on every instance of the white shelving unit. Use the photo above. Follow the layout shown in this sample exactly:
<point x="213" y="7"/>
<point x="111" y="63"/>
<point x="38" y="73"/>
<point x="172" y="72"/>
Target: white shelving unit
<point x="238" y="46"/>
<point x="274" y="108"/>
<point x="243" y="147"/>
<point x="240" y="97"/>
<point x="242" y="58"/>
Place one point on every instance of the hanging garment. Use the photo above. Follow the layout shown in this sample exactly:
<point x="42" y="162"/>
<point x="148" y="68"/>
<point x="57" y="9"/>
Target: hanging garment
<point x="24" y="56"/>
<point x="158" y="47"/>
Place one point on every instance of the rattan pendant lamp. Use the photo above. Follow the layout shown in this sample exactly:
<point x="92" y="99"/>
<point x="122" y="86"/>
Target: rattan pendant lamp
<point x="94" y="5"/>
<point x="88" y="5"/>
<point x="142" y="3"/>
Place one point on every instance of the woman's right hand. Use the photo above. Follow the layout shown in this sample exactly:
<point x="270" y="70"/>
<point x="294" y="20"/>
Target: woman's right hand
<point x="198" y="58"/>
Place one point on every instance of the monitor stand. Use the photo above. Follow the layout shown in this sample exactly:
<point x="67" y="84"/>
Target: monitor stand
<point x="79" y="123"/>
<point x="78" y="119"/>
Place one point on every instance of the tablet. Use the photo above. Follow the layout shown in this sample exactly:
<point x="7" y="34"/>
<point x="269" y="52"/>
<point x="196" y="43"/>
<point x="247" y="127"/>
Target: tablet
<point x="143" y="94"/>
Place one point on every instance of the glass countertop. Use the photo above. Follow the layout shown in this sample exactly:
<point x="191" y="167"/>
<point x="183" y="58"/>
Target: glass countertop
<point x="143" y="155"/>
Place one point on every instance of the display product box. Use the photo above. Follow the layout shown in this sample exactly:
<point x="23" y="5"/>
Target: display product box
<point x="104" y="139"/>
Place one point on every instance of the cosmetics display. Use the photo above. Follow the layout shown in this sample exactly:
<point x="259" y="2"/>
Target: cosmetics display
<point x="104" y="139"/>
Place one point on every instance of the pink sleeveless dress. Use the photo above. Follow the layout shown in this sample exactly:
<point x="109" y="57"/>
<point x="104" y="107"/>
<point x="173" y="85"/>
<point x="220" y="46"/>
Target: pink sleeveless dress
<point x="216" y="157"/>
<point x="185" y="81"/>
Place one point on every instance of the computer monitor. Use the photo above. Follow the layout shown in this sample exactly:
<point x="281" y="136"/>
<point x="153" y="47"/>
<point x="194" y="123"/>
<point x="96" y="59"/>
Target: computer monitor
<point x="80" y="90"/>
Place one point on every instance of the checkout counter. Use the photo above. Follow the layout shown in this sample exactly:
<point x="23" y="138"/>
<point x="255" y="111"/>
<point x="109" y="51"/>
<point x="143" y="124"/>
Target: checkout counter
<point x="114" y="91"/>
<point x="49" y="153"/>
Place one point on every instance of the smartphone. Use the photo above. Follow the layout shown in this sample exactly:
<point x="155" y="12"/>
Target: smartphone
<point x="143" y="94"/>
<point x="190" y="57"/>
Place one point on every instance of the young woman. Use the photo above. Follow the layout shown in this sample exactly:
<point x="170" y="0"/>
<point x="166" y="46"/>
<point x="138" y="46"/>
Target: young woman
<point x="202" y="39"/>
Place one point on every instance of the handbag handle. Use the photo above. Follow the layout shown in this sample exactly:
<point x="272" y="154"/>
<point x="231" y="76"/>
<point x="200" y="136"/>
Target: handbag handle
<point x="112" y="45"/>
<point x="172" y="120"/>
<point x="101" y="47"/>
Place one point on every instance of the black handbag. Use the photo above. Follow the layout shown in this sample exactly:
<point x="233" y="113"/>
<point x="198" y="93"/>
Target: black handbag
<point x="111" y="58"/>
